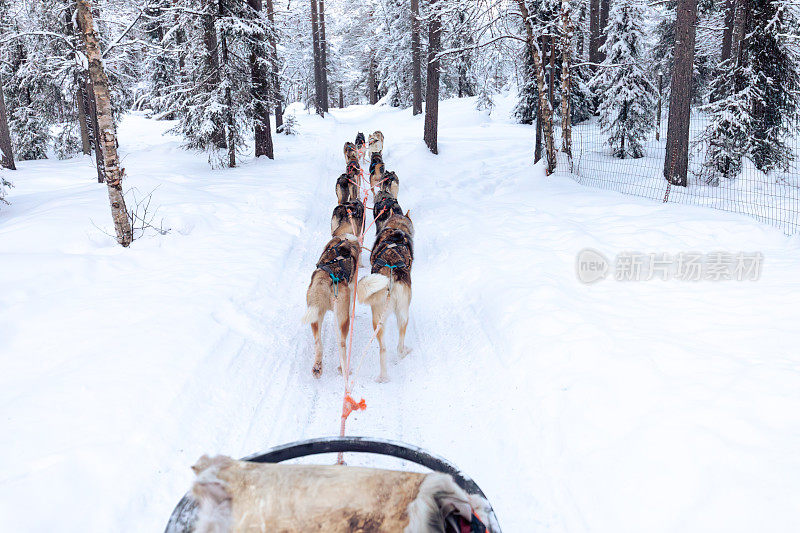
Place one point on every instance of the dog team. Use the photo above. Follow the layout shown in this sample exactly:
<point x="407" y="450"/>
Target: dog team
<point x="387" y="289"/>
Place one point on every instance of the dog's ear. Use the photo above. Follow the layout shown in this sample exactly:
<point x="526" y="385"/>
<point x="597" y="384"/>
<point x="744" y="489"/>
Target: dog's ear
<point x="408" y="214"/>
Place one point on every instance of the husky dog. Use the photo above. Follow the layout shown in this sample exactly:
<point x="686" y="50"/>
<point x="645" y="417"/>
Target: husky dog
<point x="350" y="152"/>
<point x="375" y="143"/>
<point x="376" y="170"/>
<point x="347" y="218"/>
<point x="390" y="183"/>
<point x="388" y="287"/>
<point x="360" y="141"/>
<point x="385" y="206"/>
<point x="330" y="290"/>
<point x="346" y="189"/>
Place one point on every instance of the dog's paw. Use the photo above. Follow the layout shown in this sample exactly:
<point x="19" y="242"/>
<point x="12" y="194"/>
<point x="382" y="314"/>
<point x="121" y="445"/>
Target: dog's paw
<point x="316" y="370"/>
<point x="382" y="379"/>
<point x="403" y="351"/>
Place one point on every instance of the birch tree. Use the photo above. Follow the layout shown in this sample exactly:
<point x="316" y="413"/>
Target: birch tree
<point x="545" y="109"/>
<point x="108" y="131"/>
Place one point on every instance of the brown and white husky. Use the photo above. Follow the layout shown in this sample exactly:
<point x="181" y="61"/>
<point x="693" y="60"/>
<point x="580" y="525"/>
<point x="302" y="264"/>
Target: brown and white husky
<point x="388" y="288"/>
<point x="330" y="290"/>
<point x="375" y="143"/>
<point x="346" y="188"/>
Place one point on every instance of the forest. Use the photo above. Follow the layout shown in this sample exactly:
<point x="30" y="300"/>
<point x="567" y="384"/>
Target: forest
<point x="223" y="69"/>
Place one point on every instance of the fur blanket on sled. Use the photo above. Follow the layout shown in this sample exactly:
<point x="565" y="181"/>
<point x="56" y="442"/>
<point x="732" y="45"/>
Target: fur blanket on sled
<point x="238" y="496"/>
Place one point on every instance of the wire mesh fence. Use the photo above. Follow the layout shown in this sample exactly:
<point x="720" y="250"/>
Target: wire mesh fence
<point x="772" y="197"/>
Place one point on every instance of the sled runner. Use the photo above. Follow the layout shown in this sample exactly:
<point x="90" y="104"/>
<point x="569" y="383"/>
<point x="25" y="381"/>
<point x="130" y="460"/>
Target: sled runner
<point x="257" y="493"/>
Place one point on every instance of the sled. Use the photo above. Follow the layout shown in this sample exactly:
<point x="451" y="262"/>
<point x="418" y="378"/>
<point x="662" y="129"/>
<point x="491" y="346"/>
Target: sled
<point x="185" y="515"/>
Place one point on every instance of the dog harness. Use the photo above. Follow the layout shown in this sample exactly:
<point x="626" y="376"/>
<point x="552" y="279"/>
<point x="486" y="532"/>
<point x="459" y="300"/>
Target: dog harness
<point x="381" y="262"/>
<point x="353" y="168"/>
<point x="374" y="163"/>
<point x="385" y="208"/>
<point x="336" y="268"/>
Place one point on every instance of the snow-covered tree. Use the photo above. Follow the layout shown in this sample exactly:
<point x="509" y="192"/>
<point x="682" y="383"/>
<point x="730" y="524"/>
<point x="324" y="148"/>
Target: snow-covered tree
<point x="757" y="95"/>
<point x="627" y="101"/>
<point x="216" y="104"/>
<point x="773" y="62"/>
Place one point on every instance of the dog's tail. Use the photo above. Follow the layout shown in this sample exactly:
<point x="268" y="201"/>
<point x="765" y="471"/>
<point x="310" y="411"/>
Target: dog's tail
<point x="370" y="286"/>
<point x="311" y="313"/>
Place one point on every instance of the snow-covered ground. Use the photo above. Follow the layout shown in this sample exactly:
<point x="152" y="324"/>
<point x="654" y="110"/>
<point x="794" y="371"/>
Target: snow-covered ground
<point x="614" y="407"/>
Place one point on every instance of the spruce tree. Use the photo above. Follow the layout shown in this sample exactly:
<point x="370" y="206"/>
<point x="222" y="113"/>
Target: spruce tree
<point x="627" y="97"/>
<point x="757" y="96"/>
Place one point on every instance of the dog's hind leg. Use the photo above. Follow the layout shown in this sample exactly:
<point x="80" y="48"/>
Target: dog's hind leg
<point x="402" y="304"/>
<point x="343" y="319"/>
<point x="316" y="326"/>
<point x="379" y="311"/>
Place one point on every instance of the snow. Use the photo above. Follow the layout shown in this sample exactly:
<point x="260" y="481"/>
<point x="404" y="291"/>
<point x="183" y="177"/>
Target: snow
<point x="639" y="406"/>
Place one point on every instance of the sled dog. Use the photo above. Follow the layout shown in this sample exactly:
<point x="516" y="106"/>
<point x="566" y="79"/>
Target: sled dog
<point x="376" y="170"/>
<point x="360" y="141"/>
<point x="385" y="206"/>
<point x="350" y="152"/>
<point x="390" y="183"/>
<point x="375" y="143"/>
<point x="330" y="290"/>
<point x="388" y="287"/>
<point x="347" y="218"/>
<point x="346" y="189"/>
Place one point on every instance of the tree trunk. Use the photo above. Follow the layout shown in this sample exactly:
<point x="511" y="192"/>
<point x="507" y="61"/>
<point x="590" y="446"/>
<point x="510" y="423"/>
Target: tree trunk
<point x="739" y="28"/>
<point x="276" y="78"/>
<point x="230" y="124"/>
<point x="594" y="32"/>
<point x="341" y="98"/>
<point x="80" y="103"/>
<point x="727" y="35"/>
<point x="108" y="132"/>
<point x="604" y="7"/>
<point x="5" y="134"/>
<point x="545" y="109"/>
<point x="261" y="96"/>
<point x="211" y="66"/>
<point x="416" y="72"/>
<point x="317" y="56"/>
<point x="676" y="160"/>
<point x="537" y="142"/>
<point x="566" y="78"/>
<point x="551" y="82"/>
<point x="98" y="152"/>
<point x="660" y="103"/>
<point x="582" y="33"/>
<point x="373" y="93"/>
<point x="78" y="77"/>
<point x="431" y="133"/>
<point x="727" y="42"/>
<point x="323" y="57"/>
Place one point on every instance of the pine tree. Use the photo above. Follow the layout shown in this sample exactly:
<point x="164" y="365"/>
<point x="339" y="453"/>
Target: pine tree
<point x="216" y="105"/>
<point x="527" y="107"/>
<point x="627" y="96"/>
<point x="774" y="71"/>
<point x="163" y="63"/>
<point x="758" y="94"/>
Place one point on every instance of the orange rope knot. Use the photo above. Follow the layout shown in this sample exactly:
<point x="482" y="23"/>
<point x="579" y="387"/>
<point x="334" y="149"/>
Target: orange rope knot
<point x="350" y="405"/>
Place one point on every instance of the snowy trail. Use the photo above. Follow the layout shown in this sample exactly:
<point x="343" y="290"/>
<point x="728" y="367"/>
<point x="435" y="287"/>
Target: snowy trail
<point x="651" y="406"/>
